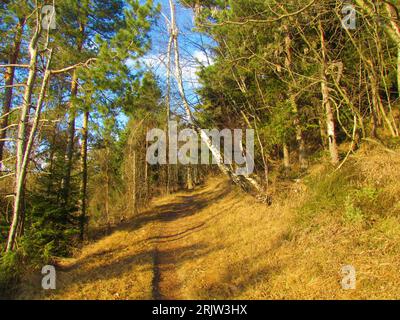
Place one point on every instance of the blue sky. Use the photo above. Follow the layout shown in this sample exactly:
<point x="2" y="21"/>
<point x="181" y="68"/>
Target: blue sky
<point x="194" y="52"/>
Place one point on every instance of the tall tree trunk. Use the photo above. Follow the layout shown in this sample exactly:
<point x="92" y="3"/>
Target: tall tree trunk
<point x="168" y="106"/>
<point x="107" y="195"/>
<point x="330" y="120"/>
<point x="302" y="148"/>
<point x="25" y="138"/>
<point x="133" y="173"/>
<point x="70" y="139"/>
<point x="134" y="186"/>
<point x="146" y="176"/>
<point x="175" y="177"/>
<point x="52" y="159"/>
<point x="9" y="82"/>
<point x="286" y="157"/>
<point x="377" y="102"/>
<point x="196" y="174"/>
<point x="71" y="122"/>
<point x="84" y="178"/>
<point x="301" y="144"/>
<point x="266" y="171"/>
<point x="299" y="132"/>
<point x="189" y="178"/>
<point x="322" y="132"/>
<point x="19" y="177"/>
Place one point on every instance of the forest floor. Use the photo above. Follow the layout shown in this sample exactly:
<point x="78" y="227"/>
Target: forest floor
<point x="217" y="243"/>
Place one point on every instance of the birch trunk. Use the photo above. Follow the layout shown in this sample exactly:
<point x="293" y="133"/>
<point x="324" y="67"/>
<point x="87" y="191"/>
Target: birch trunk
<point x="146" y="176"/>
<point x="244" y="182"/>
<point x="299" y="132"/>
<point x="83" y="187"/>
<point x="25" y="138"/>
<point x="330" y="120"/>
<point x="134" y="187"/>
<point x="189" y="178"/>
<point x="107" y="195"/>
<point x="168" y="105"/>
<point x="286" y="157"/>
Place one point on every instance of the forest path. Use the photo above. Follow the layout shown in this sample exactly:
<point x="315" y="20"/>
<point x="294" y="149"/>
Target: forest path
<point x="138" y="259"/>
<point x="178" y="220"/>
<point x="169" y="242"/>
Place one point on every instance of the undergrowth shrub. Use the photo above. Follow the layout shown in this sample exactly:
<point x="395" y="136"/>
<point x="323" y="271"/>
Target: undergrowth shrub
<point x="362" y="205"/>
<point x="50" y="231"/>
<point x="352" y="214"/>
<point x="10" y="269"/>
<point x="347" y="195"/>
<point x="328" y="192"/>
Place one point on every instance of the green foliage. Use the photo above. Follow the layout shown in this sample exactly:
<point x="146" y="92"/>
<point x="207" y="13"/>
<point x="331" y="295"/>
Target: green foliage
<point x="280" y="126"/>
<point x="9" y="272"/>
<point x="362" y="205"/>
<point x="50" y="231"/>
<point x="329" y="193"/>
<point x="352" y="214"/>
<point x="343" y="194"/>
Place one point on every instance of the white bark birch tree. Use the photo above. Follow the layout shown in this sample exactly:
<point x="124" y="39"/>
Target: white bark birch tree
<point x="245" y="182"/>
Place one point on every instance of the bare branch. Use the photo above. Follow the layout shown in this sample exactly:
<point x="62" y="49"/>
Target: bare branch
<point x="7" y="175"/>
<point x="10" y="126"/>
<point x="8" y="113"/>
<point x="81" y="64"/>
<point x="287" y="15"/>
<point x="13" y="65"/>
<point x="13" y="85"/>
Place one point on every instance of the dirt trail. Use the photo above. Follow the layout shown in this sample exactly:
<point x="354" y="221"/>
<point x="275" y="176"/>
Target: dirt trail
<point x="177" y="221"/>
<point x="168" y="243"/>
<point x="137" y="260"/>
<point x="166" y="283"/>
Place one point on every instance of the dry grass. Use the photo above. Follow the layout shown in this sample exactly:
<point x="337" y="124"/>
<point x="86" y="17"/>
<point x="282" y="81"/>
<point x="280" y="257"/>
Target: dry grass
<point x="217" y="243"/>
<point x="119" y="266"/>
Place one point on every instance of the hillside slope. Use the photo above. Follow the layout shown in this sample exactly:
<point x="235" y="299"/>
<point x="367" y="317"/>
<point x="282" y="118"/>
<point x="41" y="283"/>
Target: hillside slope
<point x="218" y="243"/>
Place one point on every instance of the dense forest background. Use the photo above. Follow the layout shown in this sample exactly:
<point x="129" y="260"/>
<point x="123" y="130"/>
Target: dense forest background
<point x="79" y="99"/>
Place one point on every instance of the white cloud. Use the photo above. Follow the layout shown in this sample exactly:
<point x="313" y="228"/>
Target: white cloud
<point x="190" y="65"/>
<point x="202" y="58"/>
